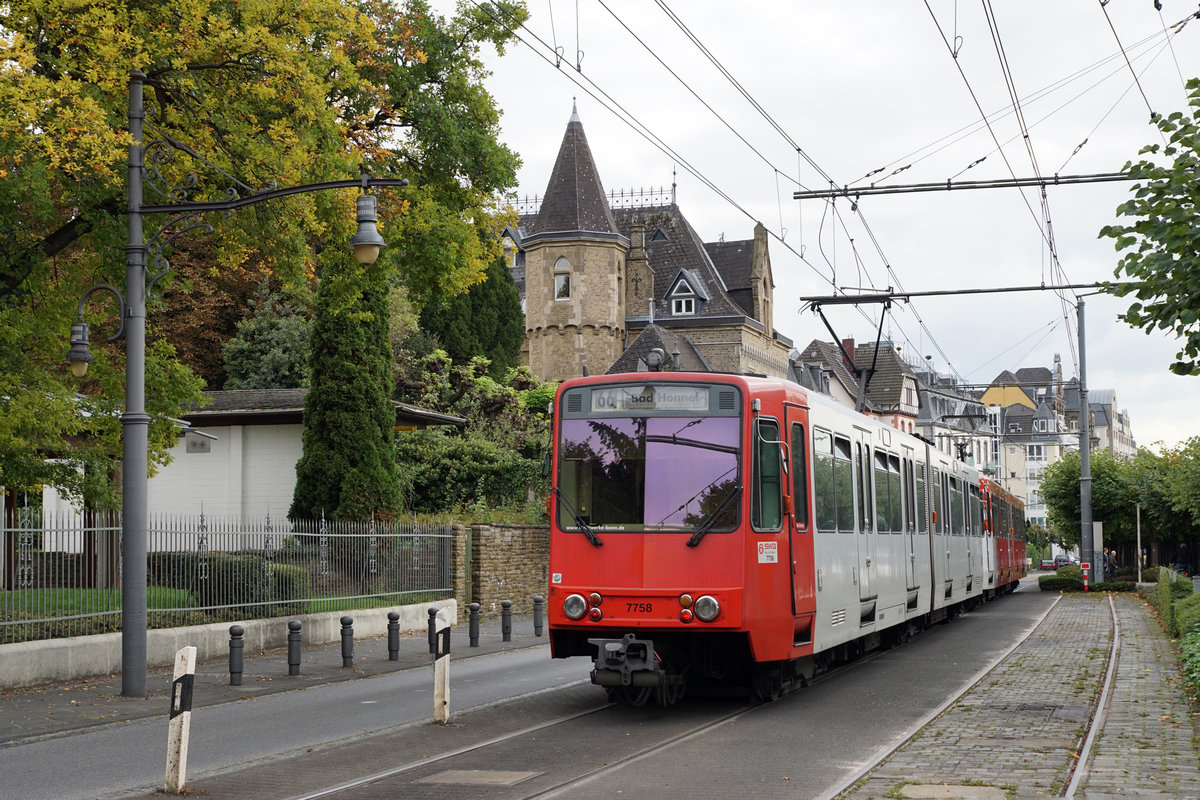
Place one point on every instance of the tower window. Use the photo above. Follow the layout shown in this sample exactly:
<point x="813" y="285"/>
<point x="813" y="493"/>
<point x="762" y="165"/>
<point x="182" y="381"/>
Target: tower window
<point x="562" y="279"/>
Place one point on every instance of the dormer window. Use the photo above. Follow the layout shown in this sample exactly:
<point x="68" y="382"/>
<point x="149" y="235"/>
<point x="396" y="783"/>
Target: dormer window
<point x="685" y="296"/>
<point x="562" y="279"/>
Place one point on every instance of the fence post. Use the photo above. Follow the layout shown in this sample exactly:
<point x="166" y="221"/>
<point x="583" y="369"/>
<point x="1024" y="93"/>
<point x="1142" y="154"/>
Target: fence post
<point x="393" y="629"/>
<point x="236" y="646"/>
<point x="506" y="620"/>
<point x="293" y="640"/>
<point x="180" y="720"/>
<point x="441" y="673"/>
<point x="473" y="624"/>
<point x="538" y="602"/>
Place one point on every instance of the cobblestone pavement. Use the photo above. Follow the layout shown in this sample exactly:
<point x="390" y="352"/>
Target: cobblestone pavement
<point x="1019" y="732"/>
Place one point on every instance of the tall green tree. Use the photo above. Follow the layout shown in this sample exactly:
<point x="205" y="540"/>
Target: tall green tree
<point x="271" y="348"/>
<point x="1113" y="497"/>
<point x="486" y="321"/>
<point x="348" y="467"/>
<point x="1162" y="240"/>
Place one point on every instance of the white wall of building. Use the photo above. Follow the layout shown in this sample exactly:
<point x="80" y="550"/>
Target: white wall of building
<point x="247" y="471"/>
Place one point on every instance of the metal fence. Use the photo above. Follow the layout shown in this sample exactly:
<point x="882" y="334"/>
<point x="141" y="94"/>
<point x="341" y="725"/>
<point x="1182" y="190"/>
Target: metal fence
<point x="61" y="577"/>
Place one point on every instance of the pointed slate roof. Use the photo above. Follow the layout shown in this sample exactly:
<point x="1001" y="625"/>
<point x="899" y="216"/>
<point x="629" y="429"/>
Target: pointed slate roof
<point x="634" y="357"/>
<point x="575" y="200"/>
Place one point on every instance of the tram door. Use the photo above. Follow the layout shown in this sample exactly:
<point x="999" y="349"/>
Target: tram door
<point x="863" y="490"/>
<point x="990" y="540"/>
<point x="910" y="522"/>
<point x="799" y="538"/>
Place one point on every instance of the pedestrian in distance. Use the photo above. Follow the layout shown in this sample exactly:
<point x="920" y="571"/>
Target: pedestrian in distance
<point x="1183" y="560"/>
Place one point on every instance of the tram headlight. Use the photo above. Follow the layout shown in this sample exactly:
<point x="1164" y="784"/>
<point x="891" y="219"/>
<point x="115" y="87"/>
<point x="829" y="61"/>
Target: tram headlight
<point x="707" y="608"/>
<point x="575" y="606"/>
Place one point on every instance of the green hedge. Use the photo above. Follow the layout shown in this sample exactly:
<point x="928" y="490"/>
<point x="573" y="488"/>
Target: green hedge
<point x="1190" y="657"/>
<point x="1187" y="615"/>
<point x="1059" y="583"/>
<point x="293" y="585"/>
<point x="1165" y="596"/>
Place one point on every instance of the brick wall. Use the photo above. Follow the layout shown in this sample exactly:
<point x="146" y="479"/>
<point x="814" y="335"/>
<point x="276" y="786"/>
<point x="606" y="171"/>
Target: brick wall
<point x="493" y="563"/>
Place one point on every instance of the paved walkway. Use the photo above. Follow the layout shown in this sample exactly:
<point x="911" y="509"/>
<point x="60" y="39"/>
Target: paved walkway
<point x="1019" y="732"/>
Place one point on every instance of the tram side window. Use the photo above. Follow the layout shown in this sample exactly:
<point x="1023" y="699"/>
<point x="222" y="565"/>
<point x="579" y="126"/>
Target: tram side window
<point x="767" y="505"/>
<point x="956" y="507"/>
<point x="939" y="516"/>
<point x="843" y="483"/>
<point x="976" y="512"/>
<point x="823" y="474"/>
<point x="921" y="498"/>
<point x="799" y="476"/>
<point x="882" y="500"/>
<point x="895" y="499"/>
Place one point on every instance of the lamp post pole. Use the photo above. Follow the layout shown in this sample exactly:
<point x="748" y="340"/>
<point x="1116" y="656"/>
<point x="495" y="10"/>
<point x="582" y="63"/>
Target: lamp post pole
<point x="135" y="422"/>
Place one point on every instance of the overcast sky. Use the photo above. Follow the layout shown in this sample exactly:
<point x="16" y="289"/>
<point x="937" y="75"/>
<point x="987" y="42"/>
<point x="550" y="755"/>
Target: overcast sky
<point x="836" y="90"/>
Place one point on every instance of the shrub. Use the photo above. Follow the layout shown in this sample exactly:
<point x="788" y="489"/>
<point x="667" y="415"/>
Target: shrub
<point x="293" y="585"/>
<point x="1150" y="575"/>
<point x="236" y="581"/>
<point x="1060" y="583"/>
<point x="439" y="473"/>
<point x="1127" y="573"/>
<point x="1114" y="586"/>
<point x="1187" y="614"/>
<point x="1071" y="571"/>
<point x="1190" y="647"/>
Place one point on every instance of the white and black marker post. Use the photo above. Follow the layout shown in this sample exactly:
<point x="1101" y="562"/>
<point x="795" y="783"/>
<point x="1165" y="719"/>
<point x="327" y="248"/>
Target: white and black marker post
<point x="441" y="673"/>
<point x="180" y="719"/>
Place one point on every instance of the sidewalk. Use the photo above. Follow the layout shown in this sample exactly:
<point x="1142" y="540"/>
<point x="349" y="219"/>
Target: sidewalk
<point x="56" y="709"/>
<point x="1018" y="733"/>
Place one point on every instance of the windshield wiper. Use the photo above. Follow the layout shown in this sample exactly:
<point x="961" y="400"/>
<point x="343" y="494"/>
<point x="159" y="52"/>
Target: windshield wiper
<point x="583" y="526"/>
<point x="706" y="524"/>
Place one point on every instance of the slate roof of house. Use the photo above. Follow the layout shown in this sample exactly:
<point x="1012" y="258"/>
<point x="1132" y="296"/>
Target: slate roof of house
<point x="281" y="406"/>
<point x="681" y="249"/>
<point x="734" y="262"/>
<point x="829" y="355"/>
<point x="634" y="357"/>
<point x="886" y="387"/>
<point x="574" y="199"/>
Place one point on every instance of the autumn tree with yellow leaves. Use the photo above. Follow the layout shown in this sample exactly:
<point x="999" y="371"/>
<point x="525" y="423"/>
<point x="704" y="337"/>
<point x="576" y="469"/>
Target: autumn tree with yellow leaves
<point x="269" y="94"/>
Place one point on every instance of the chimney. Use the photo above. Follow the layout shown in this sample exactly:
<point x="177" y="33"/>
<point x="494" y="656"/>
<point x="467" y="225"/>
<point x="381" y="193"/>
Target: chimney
<point x="848" y="354"/>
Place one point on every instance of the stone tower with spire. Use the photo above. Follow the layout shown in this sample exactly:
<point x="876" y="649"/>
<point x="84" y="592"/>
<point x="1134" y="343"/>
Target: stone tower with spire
<point x="574" y="270"/>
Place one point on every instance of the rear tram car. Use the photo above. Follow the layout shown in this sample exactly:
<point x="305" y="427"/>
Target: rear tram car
<point x="713" y="530"/>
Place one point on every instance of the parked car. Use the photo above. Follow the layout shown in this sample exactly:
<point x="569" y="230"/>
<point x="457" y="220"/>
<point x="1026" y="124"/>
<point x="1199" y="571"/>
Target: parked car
<point x="1063" y="560"/>
<point x="1047" y="563"/>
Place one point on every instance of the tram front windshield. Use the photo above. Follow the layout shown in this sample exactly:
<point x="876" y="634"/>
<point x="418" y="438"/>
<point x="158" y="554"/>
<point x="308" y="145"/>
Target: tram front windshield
<point x="649" y="473"/>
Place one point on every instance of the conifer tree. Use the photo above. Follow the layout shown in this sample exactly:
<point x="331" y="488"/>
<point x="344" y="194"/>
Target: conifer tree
<point x="348" y="470"/>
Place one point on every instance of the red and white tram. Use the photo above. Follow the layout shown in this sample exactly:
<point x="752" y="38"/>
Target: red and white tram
<point x="710" y="528"/>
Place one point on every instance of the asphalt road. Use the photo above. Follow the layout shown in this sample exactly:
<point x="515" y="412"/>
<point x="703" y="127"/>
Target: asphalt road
<point x="130" y="758"/>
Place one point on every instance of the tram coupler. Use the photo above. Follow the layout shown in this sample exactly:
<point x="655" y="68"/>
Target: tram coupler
<point x="627" y="661"/>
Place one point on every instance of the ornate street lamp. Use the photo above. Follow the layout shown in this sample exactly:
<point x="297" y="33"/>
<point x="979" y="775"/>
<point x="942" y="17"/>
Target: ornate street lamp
<point x="134" y="421"/>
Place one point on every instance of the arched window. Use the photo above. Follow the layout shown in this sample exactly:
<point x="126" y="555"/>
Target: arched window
<point x="562" y="279"/>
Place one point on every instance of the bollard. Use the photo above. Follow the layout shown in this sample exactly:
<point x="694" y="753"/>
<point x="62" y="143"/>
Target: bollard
<point x="441" y="673"/>
<point x="473" y="627"/>
<point x="293" y="641"/>
<point x="347" y="641"/>
<point x="180" y="720"/>
<point x="538" y="602"/>
<point x="506" y="620"/>
<point x="432" y="630"/>
<point x="393" y="629"/>
<point x="236" y="646"/>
